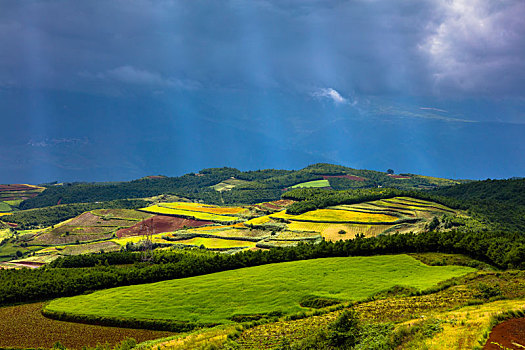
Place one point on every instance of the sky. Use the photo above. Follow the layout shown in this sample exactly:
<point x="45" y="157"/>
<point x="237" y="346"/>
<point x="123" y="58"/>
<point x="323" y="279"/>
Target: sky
<point x="114" y="90"/>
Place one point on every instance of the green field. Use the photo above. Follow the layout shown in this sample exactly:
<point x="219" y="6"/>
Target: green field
<point x="311" y="184"/>
<point x="274" y="287"/>
<point x="4" y="207"/>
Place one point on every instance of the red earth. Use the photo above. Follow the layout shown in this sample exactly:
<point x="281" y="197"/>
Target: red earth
<point x="509" y="334"/>
<point x="351" y="177"/>
<point x="15" y="187"/>
<point x="160" y="224"/>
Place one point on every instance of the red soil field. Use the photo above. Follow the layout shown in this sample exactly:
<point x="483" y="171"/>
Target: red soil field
<point x="351" y="177"/>
<point x="283" y="202"/>
<point x="159" y="224"/>
<point x="23" y="326"/>
<point x="16" y="187"/>
<point x="507" y="334"/>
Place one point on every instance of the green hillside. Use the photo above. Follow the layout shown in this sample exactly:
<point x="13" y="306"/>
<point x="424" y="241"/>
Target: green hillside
<point x="216" y="298"/>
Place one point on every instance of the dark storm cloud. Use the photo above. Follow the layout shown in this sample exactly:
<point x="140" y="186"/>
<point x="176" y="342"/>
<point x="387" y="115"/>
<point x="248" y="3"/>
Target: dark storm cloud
<point x="365" y="46"/>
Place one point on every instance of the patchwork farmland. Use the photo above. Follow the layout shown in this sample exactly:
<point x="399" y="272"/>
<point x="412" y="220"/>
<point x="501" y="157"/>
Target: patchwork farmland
<point x="185" y="224"/>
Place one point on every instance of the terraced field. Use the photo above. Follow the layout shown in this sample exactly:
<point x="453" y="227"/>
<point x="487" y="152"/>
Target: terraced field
<point x="338" y="216"/>
<point x="190" y="214"/>
<point x="216" y="243"/>
<point x="259" y="289"/>
<point x="204" y="208"/>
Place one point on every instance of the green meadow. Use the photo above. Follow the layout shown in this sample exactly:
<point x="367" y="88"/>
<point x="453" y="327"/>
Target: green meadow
<point x="260" y="289"/>
<point x="312" y="184"/>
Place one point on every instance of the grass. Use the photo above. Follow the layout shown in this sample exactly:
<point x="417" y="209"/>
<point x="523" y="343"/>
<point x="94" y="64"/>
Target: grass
<point x="4" y="207"/>
<point x="463" y="328"/>
<point x="14" y="203"/>
<point x="312" y="184"/>
<point x="156" y="209"/>
<point x="254" y="290"/>
<point x="7" y="233"/>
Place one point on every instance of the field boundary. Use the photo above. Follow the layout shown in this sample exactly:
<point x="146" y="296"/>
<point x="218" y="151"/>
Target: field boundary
<point x="152" y="324"/>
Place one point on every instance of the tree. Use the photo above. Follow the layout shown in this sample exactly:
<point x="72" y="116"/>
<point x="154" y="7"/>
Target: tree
<point x="390" y="171"/>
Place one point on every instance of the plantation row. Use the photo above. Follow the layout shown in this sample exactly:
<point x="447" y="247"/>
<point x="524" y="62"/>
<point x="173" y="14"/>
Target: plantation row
<point x="500" y="249"/>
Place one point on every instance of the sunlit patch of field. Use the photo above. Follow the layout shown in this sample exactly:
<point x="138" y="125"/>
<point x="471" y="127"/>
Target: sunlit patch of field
<point x="197" y="215"/>
<point x="7" y="233"/>
<point x="333" y="215"/>
<point x="406" y="203"/>
<point x="157" y="238"/>
<point x="258" y="221"/>
<point x="4" y="214"/>
<point x="313" y="184"/>
<point x="216" y="243"/>
<point x="203" y="208"/>
<point x="332" y="232"/>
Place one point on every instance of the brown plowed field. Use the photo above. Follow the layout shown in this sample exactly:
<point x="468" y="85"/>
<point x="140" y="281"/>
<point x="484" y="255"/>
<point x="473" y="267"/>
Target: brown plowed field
<point x="509" y="334"/>
<point x="159" y="224"/>
<point x="23" y="326"/>
<point x="88" y="219"/>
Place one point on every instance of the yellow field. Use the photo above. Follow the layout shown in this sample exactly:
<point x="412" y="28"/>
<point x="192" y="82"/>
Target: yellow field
<point x="258" y="221"/>
<point x="464" y="327"/>
<point x="334" y="215"/>
<point x="2" y="214"/>
<point x="367" y="208"/>
<point x="135" y="239"/>
<point x="416" y="203"/>
<point x="405" y="203"/>
<point x="155" y="209"/>
<point x="217" y="227"/>
<point x="205" y="208"/>
<point x="213" y="243"/>
<point x="330" y="231"/>
<point x="5" y="234"/>
<point x="292" y="235"/>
